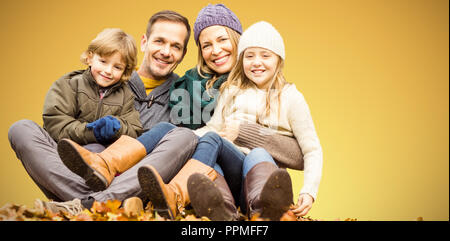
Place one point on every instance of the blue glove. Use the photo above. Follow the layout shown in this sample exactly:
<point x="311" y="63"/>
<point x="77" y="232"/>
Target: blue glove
<point x="104" y="128"/>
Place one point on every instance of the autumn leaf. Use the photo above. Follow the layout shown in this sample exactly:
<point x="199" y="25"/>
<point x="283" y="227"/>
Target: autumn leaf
<point x="98" y="207"/>
<point x="190" y="218"/>
<point x="111" y="210"/>
<point x="288" y="216"/>
<point x="257" y="218"/>
<point x="85" y="215"/>
<point x="113" y="205"/>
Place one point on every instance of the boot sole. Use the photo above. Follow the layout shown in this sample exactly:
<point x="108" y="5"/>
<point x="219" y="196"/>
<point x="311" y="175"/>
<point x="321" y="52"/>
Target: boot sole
<point x="206" y="198"/>
<point x="276" y="195"/>
<point x="72" y="159"/>
<point x="151" y="188"/>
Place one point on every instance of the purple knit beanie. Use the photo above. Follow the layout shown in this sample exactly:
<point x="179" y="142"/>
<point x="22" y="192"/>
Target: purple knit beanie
<point x="217" y="14"/>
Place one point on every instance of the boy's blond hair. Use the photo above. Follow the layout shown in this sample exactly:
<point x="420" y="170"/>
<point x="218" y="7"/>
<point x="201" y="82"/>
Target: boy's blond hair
<point x="110" y="41"/>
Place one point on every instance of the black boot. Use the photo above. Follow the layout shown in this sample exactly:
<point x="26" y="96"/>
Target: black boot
<point x="268" y="191"/>
<point x="212" y="199"/>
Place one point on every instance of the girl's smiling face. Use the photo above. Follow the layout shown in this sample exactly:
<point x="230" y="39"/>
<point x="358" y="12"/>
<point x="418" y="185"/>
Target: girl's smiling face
<point x="217" y="49"/>
<point x="260" y="65"/>
<point x="106" y="70"/>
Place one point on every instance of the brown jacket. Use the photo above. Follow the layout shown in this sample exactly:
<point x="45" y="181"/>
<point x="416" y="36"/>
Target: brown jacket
<point x="74" y="101"/>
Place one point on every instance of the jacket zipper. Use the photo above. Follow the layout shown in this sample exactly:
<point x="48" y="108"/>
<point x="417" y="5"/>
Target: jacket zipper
<point x="100" y="104"/>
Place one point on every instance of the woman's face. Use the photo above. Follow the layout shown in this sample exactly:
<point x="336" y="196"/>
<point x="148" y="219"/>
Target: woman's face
<point x="217" y="50"/>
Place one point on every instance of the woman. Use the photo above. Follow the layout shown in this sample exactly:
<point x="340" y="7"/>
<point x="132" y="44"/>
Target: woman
<point x="193" y="99"/>
<point x="257" y="91"/>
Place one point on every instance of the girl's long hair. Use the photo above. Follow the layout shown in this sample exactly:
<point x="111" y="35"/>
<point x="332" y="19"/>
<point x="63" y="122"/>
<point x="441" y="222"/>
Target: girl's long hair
<point x="240" y="81"/>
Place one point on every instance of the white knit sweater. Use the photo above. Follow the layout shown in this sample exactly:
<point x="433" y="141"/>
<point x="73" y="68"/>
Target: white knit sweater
<point x="294" y="120"/>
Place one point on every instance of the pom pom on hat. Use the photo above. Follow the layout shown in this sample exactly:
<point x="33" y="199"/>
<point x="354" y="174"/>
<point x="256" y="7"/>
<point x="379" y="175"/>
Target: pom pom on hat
<point x="217" y="14"/>
<point x="262" y="34"/>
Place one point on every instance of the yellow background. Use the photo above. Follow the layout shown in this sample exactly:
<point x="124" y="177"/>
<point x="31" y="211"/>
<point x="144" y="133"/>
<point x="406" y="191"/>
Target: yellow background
<point x="374" y="73"/>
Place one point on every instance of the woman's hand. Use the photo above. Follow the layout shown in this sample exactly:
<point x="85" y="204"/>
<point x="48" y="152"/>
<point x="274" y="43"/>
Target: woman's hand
<point x="230" y="131"/>
<point x="304" y="204"/>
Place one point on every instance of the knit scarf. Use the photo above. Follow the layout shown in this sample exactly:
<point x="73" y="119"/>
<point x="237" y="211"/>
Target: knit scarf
<point x="186" y="82"/>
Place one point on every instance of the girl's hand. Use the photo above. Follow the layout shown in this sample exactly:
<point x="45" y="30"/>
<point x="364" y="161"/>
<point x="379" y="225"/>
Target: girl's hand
<point x="230" y="131"/>
<point x="304" y="204"/>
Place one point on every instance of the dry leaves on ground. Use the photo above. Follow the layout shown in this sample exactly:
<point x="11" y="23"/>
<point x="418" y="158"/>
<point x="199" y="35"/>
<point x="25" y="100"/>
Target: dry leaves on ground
<point x="111" y="210"/>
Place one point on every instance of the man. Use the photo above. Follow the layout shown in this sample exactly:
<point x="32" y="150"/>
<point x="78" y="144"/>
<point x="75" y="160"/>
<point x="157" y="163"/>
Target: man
<point x="164" y="45"/>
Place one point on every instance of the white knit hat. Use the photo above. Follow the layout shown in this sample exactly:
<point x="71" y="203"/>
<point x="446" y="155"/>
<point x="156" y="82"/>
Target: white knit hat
<point x="262" y="34"/>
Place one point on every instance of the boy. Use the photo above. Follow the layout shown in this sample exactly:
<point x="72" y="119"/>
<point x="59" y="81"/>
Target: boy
<point x="95" y="105"/>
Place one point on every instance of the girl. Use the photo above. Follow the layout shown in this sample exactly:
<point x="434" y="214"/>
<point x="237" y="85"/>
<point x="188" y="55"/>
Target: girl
<point x="257" y="92"/>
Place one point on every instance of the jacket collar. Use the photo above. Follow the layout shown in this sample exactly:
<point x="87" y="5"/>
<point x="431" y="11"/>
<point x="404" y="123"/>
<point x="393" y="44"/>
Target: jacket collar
<point x="137" y="86"/>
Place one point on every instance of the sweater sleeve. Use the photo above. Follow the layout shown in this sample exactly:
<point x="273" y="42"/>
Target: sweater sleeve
<point x="60" y="111"/>
<point x="302" y="125"/>
<point x="284" y="149"/>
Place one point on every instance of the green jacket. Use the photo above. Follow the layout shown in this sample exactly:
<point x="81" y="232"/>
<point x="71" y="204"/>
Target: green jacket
<point x="188" y="93"/>
<point x="74" y="101"/>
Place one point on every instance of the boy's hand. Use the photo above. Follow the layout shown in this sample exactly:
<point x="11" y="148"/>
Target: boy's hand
<point x="303" y="206"/>
<point x="104" y="128"/>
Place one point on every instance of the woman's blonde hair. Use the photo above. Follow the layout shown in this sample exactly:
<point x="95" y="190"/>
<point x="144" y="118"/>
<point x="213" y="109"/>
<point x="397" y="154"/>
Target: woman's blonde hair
<point x="202" y="68"/>
<point x="110" y="41"/>
<point x="240" y="81"/>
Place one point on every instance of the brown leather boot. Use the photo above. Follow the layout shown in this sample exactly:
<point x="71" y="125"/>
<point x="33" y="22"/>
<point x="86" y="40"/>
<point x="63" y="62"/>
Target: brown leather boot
<point x="268" y="191"/>
<point x="212" y="199"/>
<point x="168" y="198"/>
<point x="99" y="169"/>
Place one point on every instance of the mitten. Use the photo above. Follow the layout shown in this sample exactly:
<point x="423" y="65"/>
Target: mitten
<point x="104" y="128"/>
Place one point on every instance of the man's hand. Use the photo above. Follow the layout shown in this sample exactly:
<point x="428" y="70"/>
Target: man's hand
<point x="304" y="204"/>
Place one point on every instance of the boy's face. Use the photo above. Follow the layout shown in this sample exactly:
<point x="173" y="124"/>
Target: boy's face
<point x="163" y="49"/>
<point x="260" y="65"/>
<point x="106" y="70"/>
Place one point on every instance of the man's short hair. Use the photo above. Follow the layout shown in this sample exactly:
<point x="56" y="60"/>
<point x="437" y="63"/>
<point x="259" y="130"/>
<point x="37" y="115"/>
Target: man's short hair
<point x="172" y="16"/>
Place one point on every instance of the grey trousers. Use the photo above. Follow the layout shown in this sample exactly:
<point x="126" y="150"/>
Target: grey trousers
<point x="38" y="154"/>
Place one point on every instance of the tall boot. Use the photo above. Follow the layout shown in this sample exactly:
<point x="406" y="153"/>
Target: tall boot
<point x="268" y="191"/>
<point x="168" y="198"/>
<point x="212" y="199"/>
<point x="99" y="169"/>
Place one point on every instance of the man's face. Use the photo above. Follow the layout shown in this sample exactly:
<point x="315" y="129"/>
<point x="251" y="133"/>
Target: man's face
<point x="163" y="49"/>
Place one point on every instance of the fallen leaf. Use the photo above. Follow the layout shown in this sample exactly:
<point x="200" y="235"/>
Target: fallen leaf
<point x="288" y="216"/>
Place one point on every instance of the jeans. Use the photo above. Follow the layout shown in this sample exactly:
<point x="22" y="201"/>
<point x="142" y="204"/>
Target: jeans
<point x="256" y="156"/>
<point x="213" y="149"/>
<point x="151" y="137"/>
